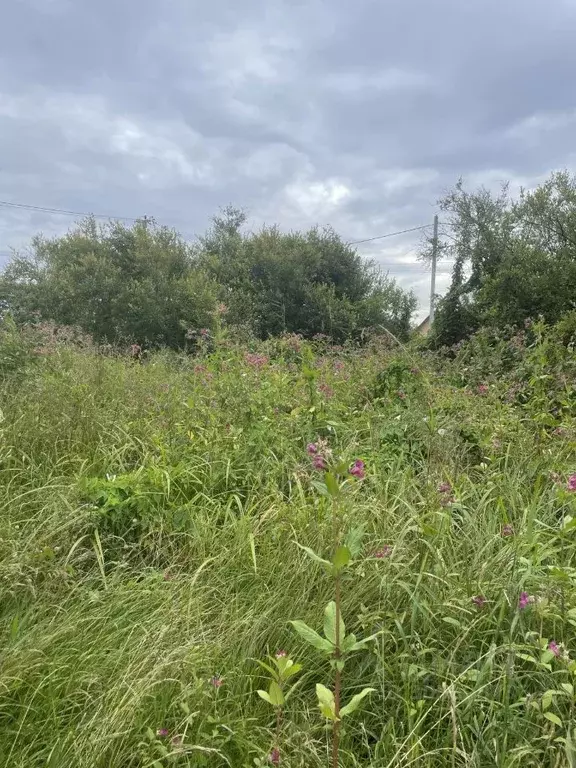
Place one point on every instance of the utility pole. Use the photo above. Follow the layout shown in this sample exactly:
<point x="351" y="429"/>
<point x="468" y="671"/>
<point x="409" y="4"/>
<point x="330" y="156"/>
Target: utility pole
<point x="433" y="275"/>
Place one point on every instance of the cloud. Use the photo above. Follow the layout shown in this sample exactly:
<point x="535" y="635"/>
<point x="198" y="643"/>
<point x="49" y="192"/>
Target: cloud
<point x="359" y="115"/>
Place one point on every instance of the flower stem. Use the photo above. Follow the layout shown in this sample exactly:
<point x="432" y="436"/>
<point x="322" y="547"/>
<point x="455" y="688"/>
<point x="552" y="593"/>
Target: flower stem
<point x="338" y="677"/>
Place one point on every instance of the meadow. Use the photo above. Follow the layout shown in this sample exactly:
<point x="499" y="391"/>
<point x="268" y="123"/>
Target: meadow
<point x="164" y="520"/>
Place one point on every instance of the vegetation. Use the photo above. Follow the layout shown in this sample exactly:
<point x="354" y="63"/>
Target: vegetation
<point x="171" y="525"/>
<point x="514" y="259"/>
<point x="144" y="284"/>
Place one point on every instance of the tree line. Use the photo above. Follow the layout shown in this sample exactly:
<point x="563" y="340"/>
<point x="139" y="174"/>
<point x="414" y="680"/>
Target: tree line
<point x="145" y="284"/>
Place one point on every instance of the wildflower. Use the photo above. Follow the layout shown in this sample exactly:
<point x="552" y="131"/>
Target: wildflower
<point x="401" y="394"/>
<point x="311" y="449"/>
<point x="385" y="551"/>
<point x="414" y="371"/>
<point x="525" y="600"/>
<point x="482" y="389"/>
<point x="442" y="431"/>
<point x="559" y="432"/>
<point x="274" y="756"/>
<point x="445" y="487"/>
<point x="176" y="741"/>
<point x="168" y="576"/>
<point x="507" y="530"/>
<point x="204" y="332"/>
<point x="162" y="732"/>
<point x="319" y="463"/>
<point x="281" y="654"/>
<point x="479" y="601"/>
<point x="358" y="469"/>
<point x="571" y="485"/>
<point x="326" y="390"/>
<point x="216" y="681"/>
<point x="552" y="646"/>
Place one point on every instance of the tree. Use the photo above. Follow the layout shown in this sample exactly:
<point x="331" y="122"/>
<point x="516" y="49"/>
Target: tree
<point x="137" y="283"/>
<point x="300" y="282"/>
<point x="513" y="259"/>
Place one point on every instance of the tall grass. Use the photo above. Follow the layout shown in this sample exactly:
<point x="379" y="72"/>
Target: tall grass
<point x="149" y="514"/>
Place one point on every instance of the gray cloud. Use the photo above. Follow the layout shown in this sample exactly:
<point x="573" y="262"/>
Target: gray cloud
<point x="355" y="114"/>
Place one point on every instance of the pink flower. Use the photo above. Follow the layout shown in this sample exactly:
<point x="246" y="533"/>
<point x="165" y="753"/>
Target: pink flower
<point x="482" y="389"/>
<point x="414" y="371"/>
<point x="571" y="485"/>
<point x="319" y="463"/>
<point x="552" y="646"/>
<point x="385" y="551"/>
<point x="162" y="732"/>
<point x="401" y="395"/>
<point x="525" y="600"/>
<point x="280" y="654"/>
<point x="216" y="681"/>
<point x="479" y="601"/>
<point x="507" y="530"/>
<point x="326" y="390"/>
<point x="445" y="487"/>
<point x="311" y="449"/>
<point x="168" y="576"/>
<point x="358" y="469"/>
<point x="256" y="361"/>
<point x="274" y="756"/>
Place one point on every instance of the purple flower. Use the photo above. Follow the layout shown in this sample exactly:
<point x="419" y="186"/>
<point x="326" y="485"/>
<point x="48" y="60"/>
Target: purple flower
<point x="552" y="646"/>
<point x="482" y="389"/>
<point x="525" y="600"/>
<point x="281" y="654"/>
<point x="445" y="487"/>
<point x="507" y="530"/>
<point x="319" y="463"/>
<point x="311" y="449"/>
<point x="162" y="732"/>
<point x="385" y="551"/>
<point x="571" y="485"/>
<point x="479" y="601"/>
<point x="358" y="469"/>
<point x="216" y="681"/>
<point x="274" y="756"/>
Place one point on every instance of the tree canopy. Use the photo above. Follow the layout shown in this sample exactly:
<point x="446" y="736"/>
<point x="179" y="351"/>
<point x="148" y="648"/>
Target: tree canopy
<point x="513" y="259"/>
<point x="144" y="283"/>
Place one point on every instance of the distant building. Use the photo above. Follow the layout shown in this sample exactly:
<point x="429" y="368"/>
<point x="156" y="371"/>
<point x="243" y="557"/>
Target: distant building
<point x="424" y="327"/>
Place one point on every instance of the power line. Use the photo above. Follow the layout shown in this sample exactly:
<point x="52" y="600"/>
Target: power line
<point x="61" y="211"/>
<point x="388" y="234"/>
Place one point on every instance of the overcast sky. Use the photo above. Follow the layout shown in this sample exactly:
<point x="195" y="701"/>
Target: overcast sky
<point x="354" y="113"/>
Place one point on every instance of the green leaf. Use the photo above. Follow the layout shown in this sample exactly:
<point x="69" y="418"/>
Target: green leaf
<point x="568" y="687"/>
<point x="312" y="555"/>
<point x="354" y="540"/>
<point x="265" y="666"/>
<point x="291" y="670"/>
<point x="276" y="695"/>
<point x="326" y="701"/>
<point x="331" y="484"/>
<point x="264" y="695"/>
<point x="354" y="702"/>
<point x="312" y="637"/>
<point x="553" y="718"/>
<point x="341" y="558"/>
<point x="330" y="623"/>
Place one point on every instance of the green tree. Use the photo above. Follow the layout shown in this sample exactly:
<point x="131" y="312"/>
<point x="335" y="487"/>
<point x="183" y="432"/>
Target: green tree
<point x="138" y="283"/>
<point x="300" y="282"/>
<point x="512" y="259"/>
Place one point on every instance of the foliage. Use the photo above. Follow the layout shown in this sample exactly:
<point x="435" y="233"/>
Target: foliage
<point x="300" y="282"/>
<point x="149" y="517"/>
<point x="514" y="259"/>
<point x="117" y="283"/>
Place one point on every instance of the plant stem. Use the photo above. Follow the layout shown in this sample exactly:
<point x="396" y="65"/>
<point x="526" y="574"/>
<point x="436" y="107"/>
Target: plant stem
<point x="338" y="677"/>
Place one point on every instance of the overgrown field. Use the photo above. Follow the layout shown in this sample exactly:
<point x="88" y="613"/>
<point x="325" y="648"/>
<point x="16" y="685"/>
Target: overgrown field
<point x="151" y="532"/>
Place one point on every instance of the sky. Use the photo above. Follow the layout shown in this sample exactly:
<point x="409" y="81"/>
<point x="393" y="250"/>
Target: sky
<point x="360" y="115"/>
